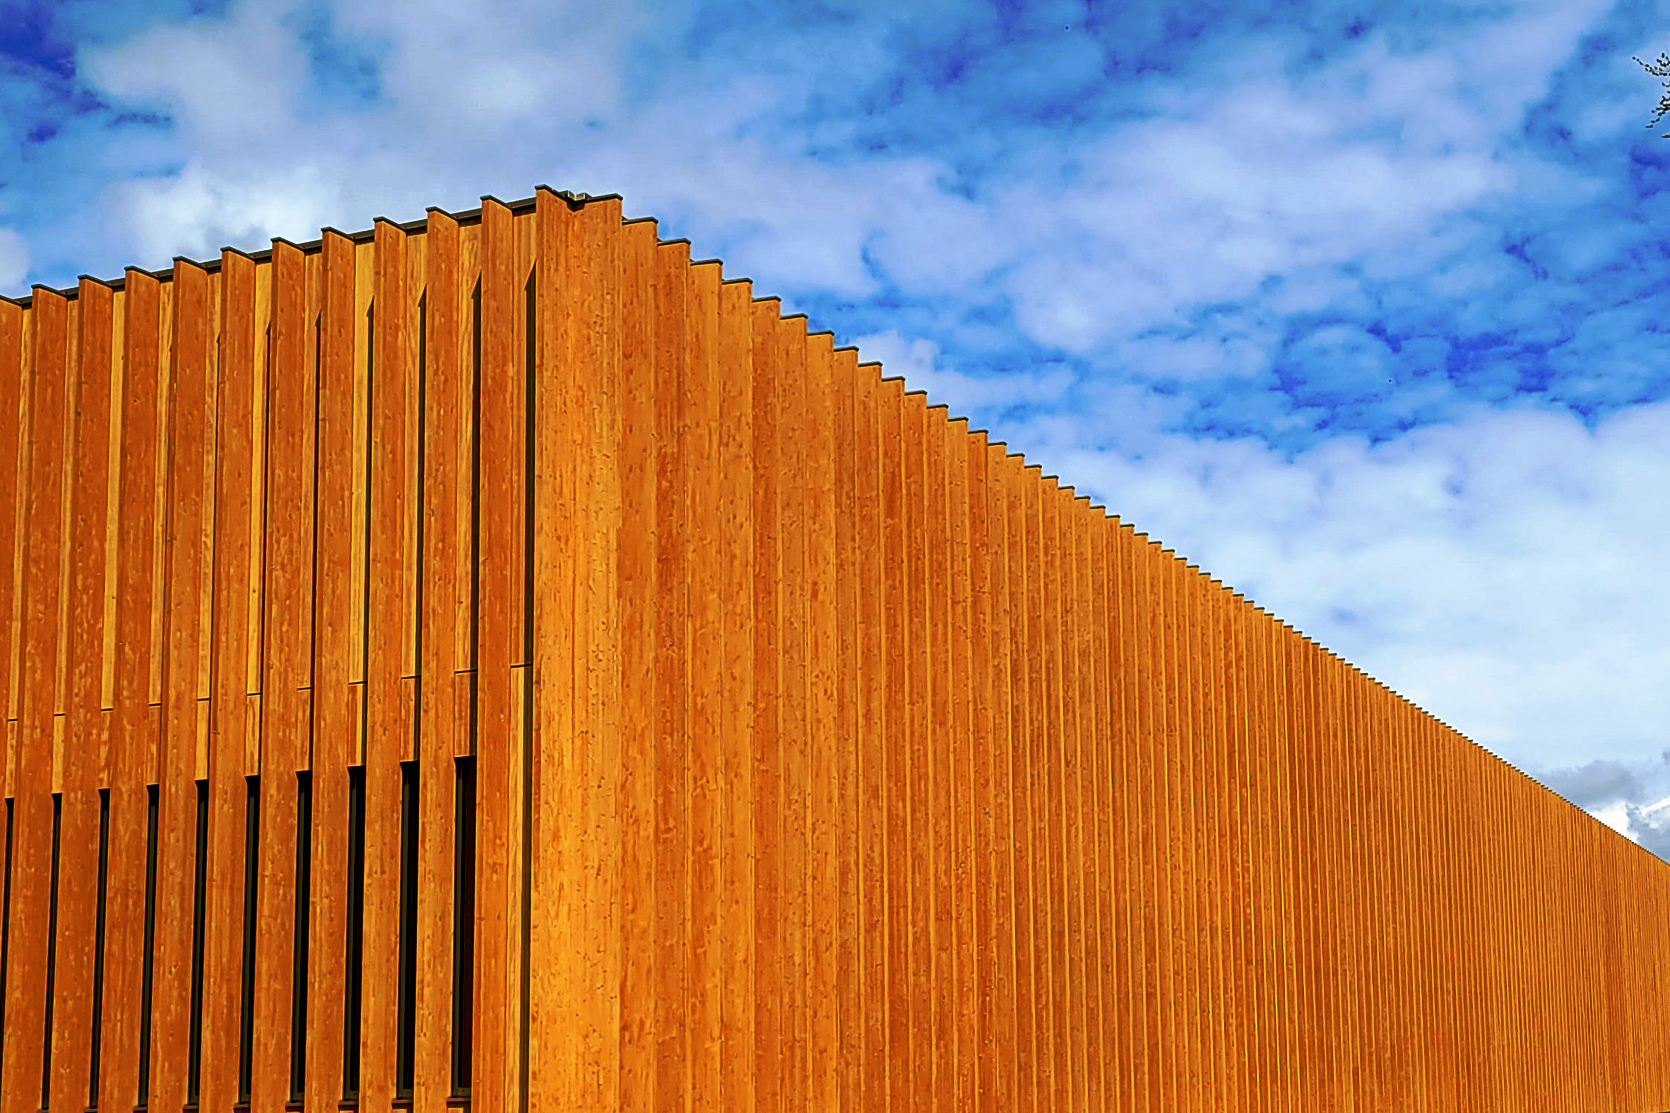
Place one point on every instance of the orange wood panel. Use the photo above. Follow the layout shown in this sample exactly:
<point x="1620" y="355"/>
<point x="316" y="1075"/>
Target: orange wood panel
<point x="639" y="646"/>
<point x="1130" y="792"/>
<point x="918" y="841"/>
<point x="706" y="963"/>
<point x="14" y="442"/>
<point x="558" y="873"/>
<point x="432" y="1037"/>
<point x="1210" y="833"/>
<point x="733" y="454"/>
<point x="1040" y="813"/>
<point x="599" y="346"/>
<point x="768" y="741"/>
<point x="937" y="834"/>
<point x="1263" y="836"/>
<point x="895" y="776"/>
<point x="78" y="845"/>
<point x="1096" y="711"/>
<point x="1061" y="744"/>
<point x="1030" y="1044"/>
<point x="1084" y="808"/>
<point x="1146" y="832"/>
<point x="286" y="630"/>
<point x="1009" y="1069"/>
<point x="849" y="740"/>
<point x="872" y="770"/>
<point x="334" y="705"/>
<point x="1303" y="810"/>
<point x="1232" y="846"/>
<point x="188" y="508"/>
<point x="47" y="374"/>
<point x="960" y="769"/>
<point x="223" y="920"/>
<point x="125" y="866"/>
<point x="386" y="724"/>
<point x="1184" y="780"/>
<point x="673" y="555"/>
<point x="1161" y="694"/>
<point x="820" y="773"/>
<point x="983" y="924"/>
<point x="495" y="1018"/>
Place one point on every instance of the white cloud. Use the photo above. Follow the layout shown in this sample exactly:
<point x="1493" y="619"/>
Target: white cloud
<point x="14" y="261"/>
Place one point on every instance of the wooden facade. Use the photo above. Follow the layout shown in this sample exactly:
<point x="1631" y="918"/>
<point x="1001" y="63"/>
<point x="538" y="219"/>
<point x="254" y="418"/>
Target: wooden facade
<point x="499" y="661"/>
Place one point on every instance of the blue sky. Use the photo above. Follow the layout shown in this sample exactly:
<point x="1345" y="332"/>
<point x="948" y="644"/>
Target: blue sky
<point x="1357" y="306"/>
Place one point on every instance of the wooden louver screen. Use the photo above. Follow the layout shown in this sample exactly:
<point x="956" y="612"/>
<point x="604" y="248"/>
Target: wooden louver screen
<point x="498" y="656"/>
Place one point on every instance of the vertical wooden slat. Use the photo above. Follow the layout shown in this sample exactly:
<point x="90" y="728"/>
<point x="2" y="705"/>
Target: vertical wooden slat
<point x="223" y="924"/>
<point x="47" y="374"/>
<point x="14" y="440"/>
<point x="640" y="523"/>
<point x="1036" y="741"/>
<point x="900" y="1067"/>
<point x="797" y="508"/>
<point x="494" y="1075"/>
<point x="125" y="866"/>
<point x="286" y="631"/>
<point x="557" y="874"/>
<point x="432" y="1037"/>
<point x="918" y="845"/>
<point x="73" y="950"/>
<point x="984" y="923"/>
<point x="334" y="705"/>
<point x="766" y="784"/>
<point x="1102" y="705"/>
<point x="733" y="457"/>
<point x="966" y="984"/>
<point x="1082" y="814"/>
<point x="177" y="799"/>
<point x="1067" y="931"/>
<point x="820" y="740"/>
<point x="672" y="746"/>
<point x="1008" y="909"/>
<point x="707" y="944"/>
<point x="1133" y="815"/>
<point x="385" y="740"/>
<point x="849" y="737"/>
<point x="873" y="785"/>
<point x="936" y="670"/>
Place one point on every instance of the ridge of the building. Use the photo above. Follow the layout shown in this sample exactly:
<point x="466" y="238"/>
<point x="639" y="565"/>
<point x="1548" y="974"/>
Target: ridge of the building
<point x="577" y="200"/>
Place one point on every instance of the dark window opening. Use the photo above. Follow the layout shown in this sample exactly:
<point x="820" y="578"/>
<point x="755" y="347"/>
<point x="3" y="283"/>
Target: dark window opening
<point x="150" y="938"/>
<point x="194" y="1062"/>
<point x="298" y="965"/>
<point x="463" y="924"/>
<point x="98" y="949"/>
<point x="252" y="847"/>
<point x="356" y="933"/>
<point x="51" y="951"/>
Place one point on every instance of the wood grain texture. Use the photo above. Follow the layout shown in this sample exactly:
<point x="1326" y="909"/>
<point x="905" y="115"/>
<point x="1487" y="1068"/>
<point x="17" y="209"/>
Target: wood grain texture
<point x="827" y="754"/>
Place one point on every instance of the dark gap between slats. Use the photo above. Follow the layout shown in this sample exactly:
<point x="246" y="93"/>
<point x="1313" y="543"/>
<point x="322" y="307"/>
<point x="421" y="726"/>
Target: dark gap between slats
<point x="51" y="951"/>
<point x="298" y="967"/>
<point x="246" y="994"/>
<point x="194" y="1065"/>
<point x="98" y="951"/>
<point x="351" y="974"/>
<point x="146" y="960"/>
<point x="405" y="1003"/>
<point x="463" y="923"/>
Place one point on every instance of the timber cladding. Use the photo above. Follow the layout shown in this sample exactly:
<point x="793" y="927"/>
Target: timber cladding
<point x="499" y="661"/>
